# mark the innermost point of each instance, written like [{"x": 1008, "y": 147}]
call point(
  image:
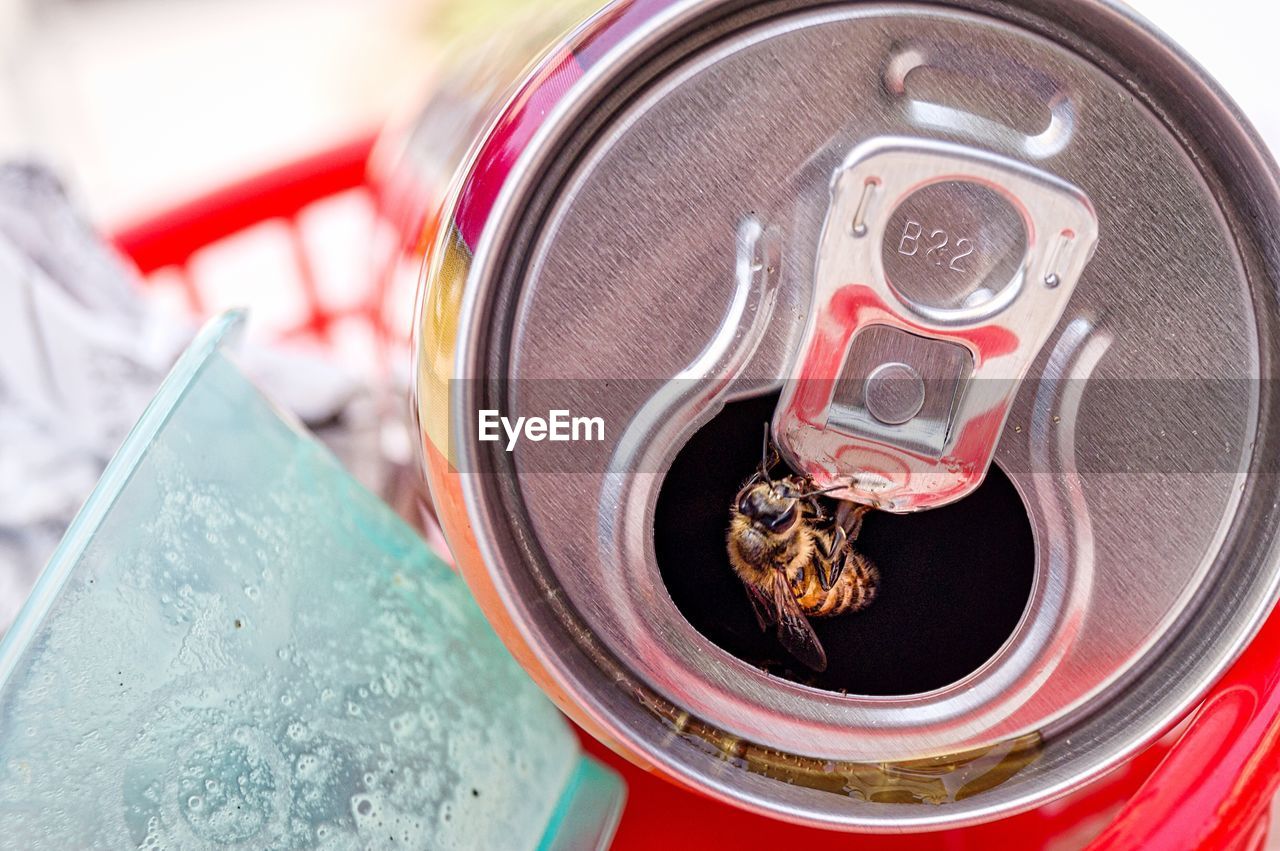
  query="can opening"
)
[{"x": 954, "y": 580}]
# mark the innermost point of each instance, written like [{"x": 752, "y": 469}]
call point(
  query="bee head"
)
[{"x": 769, "y": 506}]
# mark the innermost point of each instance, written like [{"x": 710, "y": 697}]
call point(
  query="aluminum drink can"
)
[{"x": 1004, "y": 269}]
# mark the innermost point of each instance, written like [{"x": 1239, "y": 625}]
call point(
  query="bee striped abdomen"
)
[{"x": 852, "y": 592}]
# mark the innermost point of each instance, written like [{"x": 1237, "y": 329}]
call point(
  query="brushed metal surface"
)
[
  {"x": 942, "y": 366},
  {"x": 1155, "y": 550},
  {"x": 894, "y": 392}
]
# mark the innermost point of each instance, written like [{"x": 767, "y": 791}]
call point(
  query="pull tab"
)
[{"x": 941, "y": 272}]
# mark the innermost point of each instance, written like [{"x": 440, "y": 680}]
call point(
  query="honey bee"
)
[{"x": 792, "y": 549}]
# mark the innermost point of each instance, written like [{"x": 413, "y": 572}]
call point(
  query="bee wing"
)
[
  {"x": 762, "y": 604},
  {"x": 794, "y": 630}
]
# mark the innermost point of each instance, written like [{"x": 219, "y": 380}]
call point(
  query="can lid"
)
[{"x": 658, "y": 252}]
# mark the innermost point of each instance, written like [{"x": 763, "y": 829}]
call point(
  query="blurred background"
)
[{"x": 139, "y": 103}]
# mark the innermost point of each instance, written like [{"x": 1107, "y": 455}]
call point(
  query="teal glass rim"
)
[{"x": 221, "y": 332}]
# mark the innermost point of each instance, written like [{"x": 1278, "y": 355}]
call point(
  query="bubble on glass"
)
[{"x": 178, "y": 730}]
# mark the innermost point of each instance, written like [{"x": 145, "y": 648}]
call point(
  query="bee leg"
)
[
  {"x": 834, "y": 558},
  {"x": 819, "y": 513},
  {"x": 850, "y": 517},
  {"x": 837, "y": 568}
]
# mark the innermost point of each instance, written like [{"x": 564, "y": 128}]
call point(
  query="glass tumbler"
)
[{"x": 237, "y": 646}]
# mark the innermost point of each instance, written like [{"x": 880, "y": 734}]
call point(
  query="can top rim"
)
[{"x": 1159, "y": 711}]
